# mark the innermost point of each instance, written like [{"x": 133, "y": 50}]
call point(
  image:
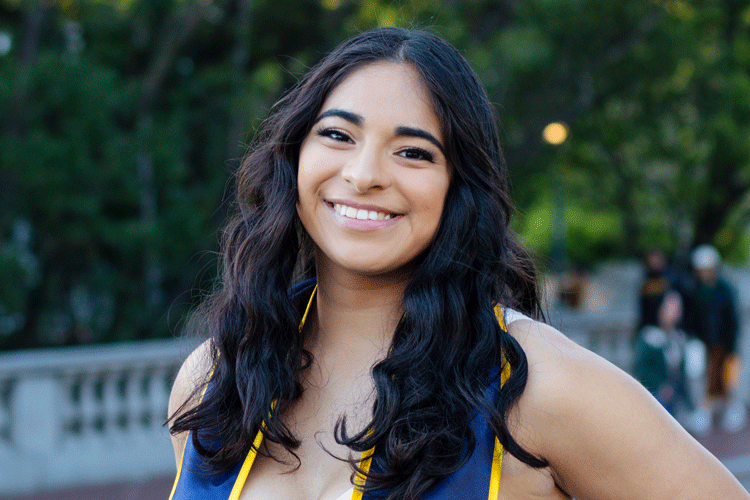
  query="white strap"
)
[{"x": 511, "y": 316}]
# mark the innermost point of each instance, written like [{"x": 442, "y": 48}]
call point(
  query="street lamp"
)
[{"x": 555, "y": 133}]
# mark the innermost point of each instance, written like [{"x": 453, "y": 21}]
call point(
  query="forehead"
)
[{"x": 386, "y": 91}]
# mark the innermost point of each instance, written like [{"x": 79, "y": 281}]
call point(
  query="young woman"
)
[{"x": 406, "y": 364}]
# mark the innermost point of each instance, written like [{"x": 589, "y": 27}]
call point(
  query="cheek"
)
[
  {"x": 438, "y": 196},
  {"x": 305, "y": 171},
  {"x": 314, "y": 168},
  {"x": 430, "y": 196},
  {"x": 305, "y": 190},
  {"x": 308, "y": 183}
]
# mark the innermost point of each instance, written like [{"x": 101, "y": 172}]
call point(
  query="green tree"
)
[
  {"x": 122, "y": 121},
  {"x": 656, "y": 98}
]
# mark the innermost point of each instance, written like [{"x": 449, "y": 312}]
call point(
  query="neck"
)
[{"x": 354, "y": 313}]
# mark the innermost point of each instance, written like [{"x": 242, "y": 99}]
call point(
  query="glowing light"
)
[{"x": 555, "y": 133}]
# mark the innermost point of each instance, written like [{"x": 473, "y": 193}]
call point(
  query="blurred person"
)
[
  {"x": 654, "y": 287},
  {"x": 660, "y": 278},
  {"x": 660, "y": 357},
  {"x": 714, "y": 322},
  {"x": 376, "y": 332}
]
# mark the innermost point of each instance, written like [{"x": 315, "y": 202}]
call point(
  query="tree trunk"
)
[
  {"x": 240, "y": 58},
  {"x": 34, "y": 21},
  {"x": 176, "y": 30}
]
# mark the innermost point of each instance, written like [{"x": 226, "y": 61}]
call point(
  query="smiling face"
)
[{"x": 372, "y": 174}]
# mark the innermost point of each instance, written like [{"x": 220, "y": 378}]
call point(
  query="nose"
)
[{"x": 366, "y": 171}]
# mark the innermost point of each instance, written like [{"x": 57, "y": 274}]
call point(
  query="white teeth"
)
[{"x": 353, "y": 213}]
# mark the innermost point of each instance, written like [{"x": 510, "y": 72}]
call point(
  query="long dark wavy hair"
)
[{"x": 448, "y": 340}]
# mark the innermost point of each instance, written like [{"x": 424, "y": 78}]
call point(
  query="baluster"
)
[
  {"x": 89, "y": 408},
  {"x": 158, "y": 396},
  {"x": 5, "y": 388},
  {"x": 70, "y": 416},
  {"x": 134, "y": 400},
  {"x": 35, "y": 420},
  {"x": 111, "y": 402}
]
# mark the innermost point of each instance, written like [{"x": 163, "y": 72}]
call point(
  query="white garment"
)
[
  {"x": 511, "y": 316},
  {"x": 347, "y": 494}
]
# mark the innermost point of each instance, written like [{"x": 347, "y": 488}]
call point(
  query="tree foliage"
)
[{"x": 123, "y": 119}]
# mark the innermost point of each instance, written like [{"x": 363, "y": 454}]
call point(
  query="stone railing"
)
[
  {"x": 608, "y": 334},
  {"x": 86, "y": 415}
]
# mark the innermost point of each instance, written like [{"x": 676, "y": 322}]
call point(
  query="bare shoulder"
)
[
  {"x": 564, "y": 378},
  {"x": 602, "y": 433},
  {"x": 184, "y": 394}
]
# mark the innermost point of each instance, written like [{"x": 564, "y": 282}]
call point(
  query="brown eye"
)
[
  {"x": 334, "y": 134},
  {"x": 416, "y": 154}
]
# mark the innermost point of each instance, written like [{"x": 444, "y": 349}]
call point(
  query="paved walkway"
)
[
  {"x": 732, "y": 449},
  {"x": 155, "y": 489}
]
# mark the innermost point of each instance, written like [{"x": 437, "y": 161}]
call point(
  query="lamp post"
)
[{"x": 556, "y": 133}]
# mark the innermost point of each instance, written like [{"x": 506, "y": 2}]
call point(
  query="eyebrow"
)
[
  {"x": 354, "y": 118},
  {"x": 401, "y": 131},
  {"x": 418, "y": 132}
]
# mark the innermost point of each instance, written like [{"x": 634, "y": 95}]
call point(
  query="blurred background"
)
[{"x": 626, "y": 127}]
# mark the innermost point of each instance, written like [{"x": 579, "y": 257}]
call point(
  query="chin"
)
[{"x": 356, "y": 266}]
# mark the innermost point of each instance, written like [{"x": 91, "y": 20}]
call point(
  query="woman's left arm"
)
[{"x": 603, "y": 434}]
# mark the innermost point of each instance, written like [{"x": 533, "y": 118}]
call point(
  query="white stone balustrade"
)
[
  {"x": 607, "y": 333},
  {"x": 86, "y": 415}
]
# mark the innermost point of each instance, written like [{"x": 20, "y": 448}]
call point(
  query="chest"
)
[
  {"x": 329, "y": 480},
  {"x": 321, "y": 473},
  {"x": 321, "y": 468}
]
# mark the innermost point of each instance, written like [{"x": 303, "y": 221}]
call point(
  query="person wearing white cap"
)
[{"x": 714, "y": 321}]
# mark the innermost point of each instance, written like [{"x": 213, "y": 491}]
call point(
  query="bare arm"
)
[
  {"x": 192, "y": 373},
  {"x": 603, "y": 434}
]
